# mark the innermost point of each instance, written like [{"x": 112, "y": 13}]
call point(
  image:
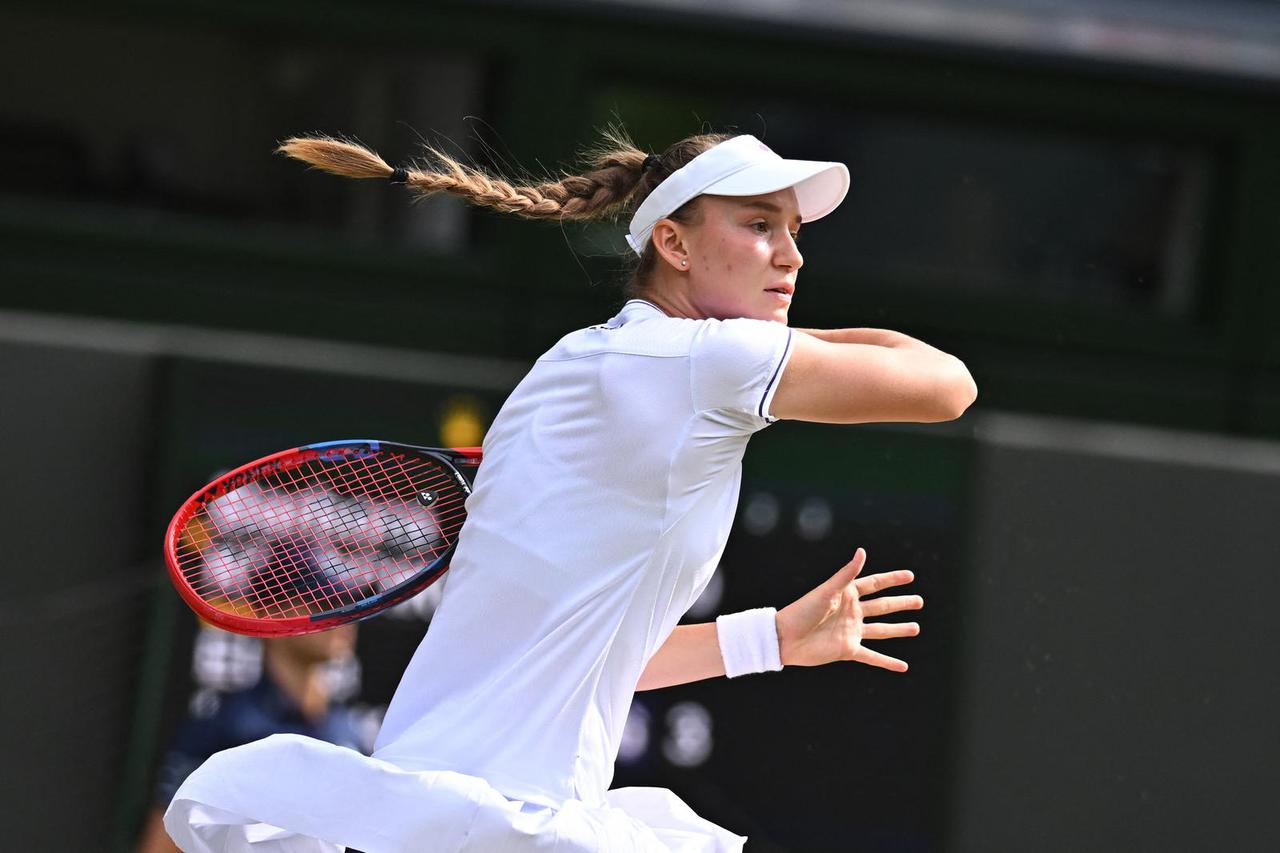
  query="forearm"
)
[{"x": 691, "y": 653}]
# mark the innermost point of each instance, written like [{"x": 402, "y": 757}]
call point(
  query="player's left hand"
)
[{"x": 826, "y": 624}]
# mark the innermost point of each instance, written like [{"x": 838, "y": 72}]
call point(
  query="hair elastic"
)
[
  {"x": 399, "y": 176},
  {"x": 649, "y": 162}
]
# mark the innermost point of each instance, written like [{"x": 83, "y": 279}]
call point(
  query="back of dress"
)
[{"x": 606, "y": 496}]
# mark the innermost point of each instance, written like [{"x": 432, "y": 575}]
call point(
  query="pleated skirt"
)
[{"x": 294, "y": 794}]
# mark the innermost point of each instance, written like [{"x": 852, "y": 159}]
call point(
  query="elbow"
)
[{"x": 961, "y": 393}]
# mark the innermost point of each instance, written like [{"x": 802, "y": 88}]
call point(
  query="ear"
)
[{"x": 668, "y": 242}]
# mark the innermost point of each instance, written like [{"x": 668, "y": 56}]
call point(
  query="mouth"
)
[{"x": 783, "y": 291}]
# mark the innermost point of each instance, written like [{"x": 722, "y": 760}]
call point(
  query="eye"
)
[{"x": 795, "y": 235}]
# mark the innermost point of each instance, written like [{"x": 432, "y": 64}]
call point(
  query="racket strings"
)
[
  {"x": 299, "y": 557},
  {"x": 321, "y": 535}
]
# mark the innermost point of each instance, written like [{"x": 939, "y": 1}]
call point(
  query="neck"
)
[
  {"x": 673, "y": 299},
  {"x": 303, "y": 682}
]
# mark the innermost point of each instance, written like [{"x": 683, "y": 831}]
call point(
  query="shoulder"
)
[
  {"x": 736, "y": 363},
  {"x": 640, "y": 328},
  {"x": 654, "y": 336},
  {"x": 740, "y": 349},
  {"x": 739, "y": 335}
]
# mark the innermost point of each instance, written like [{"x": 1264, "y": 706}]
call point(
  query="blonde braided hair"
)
[{"x": 613, "y": 182}]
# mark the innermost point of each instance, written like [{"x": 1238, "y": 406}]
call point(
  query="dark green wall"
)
[{"x": 550, "y": 77}]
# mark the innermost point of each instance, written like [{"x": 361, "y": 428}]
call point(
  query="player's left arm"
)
[
  {"x": 691, "y": 653},
  {"x": 824, "y": 625}
]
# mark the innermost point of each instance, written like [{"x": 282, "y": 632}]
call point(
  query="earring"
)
[{"x": 684, "y": 263}]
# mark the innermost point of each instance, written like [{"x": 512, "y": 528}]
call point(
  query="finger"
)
[
  {"x": 874, "y": 583},
  {"x": 866, "y": 655},
  {"x": 848, "y": 571},
  {"x": 889, "y": 630},
  {"x": 891, "y": 604}
]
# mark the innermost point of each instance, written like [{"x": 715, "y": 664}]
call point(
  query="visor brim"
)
[{"x": 820, "y": 186}]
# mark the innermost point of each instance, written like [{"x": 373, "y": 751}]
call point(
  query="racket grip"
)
[{"x": 749, "y": 641}]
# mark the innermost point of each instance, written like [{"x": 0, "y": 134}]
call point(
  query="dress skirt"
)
[{"x": 294, "y": 794}]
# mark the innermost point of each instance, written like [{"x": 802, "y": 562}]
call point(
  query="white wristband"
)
[{"x": 749, "y": 641}]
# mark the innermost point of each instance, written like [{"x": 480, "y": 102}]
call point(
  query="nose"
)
[{"x": 788, "y": 254}]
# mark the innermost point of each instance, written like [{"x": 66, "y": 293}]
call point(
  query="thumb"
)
[{"x": 848, "y": 571}]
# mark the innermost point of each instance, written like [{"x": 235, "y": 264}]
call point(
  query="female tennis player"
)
[{"x": 607, "y": 493}]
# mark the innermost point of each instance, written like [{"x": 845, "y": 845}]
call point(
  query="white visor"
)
[{"x": 741, "y": 166}]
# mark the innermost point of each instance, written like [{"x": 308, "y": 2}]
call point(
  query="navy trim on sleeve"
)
[{"x": 776, "y": 371}]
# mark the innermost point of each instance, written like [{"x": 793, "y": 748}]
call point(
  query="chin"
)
[{"x": 772, "y": 312}]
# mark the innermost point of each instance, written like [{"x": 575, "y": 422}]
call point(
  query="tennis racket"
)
[{"x": 311, "y": 538}]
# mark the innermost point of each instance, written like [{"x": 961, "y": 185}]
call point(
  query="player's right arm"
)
[{"x": 850, "y": 376}]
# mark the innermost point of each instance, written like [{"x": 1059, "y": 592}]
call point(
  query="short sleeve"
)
[{"x": 736, "y": 365}]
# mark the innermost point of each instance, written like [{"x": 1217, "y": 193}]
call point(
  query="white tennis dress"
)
[{"x": 607, "y": 492}]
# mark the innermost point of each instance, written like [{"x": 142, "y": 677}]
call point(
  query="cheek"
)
[
  {"x": 730, "y": 276},
  {"x": 720, "y": 258},
  {"x": 735, "y": 252}
]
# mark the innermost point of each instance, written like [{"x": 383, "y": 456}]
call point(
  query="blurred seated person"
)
[{"x": 292, "y": 697}]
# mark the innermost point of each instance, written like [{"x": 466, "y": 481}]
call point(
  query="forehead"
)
[{"x": 782, "y": 202}]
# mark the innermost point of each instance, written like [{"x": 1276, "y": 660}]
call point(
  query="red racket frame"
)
[{"x": 454, "y": 458}]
